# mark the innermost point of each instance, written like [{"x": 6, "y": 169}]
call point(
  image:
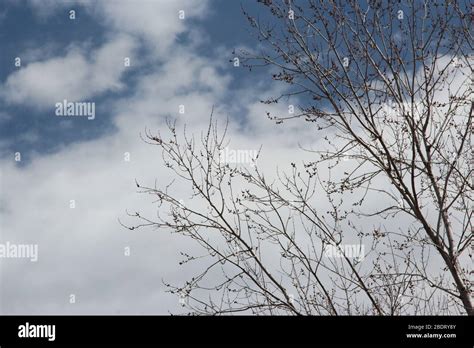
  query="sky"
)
[{"x": 66, "y": 181}]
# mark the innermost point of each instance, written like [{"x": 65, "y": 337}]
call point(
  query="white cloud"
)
[
  {"x": 157, "y": 22},
  {"x": 75, "y": 76},
  {"x": 82, "y": 73}
]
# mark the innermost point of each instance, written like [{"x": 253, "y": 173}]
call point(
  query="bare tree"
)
[{"x": 389, "y": 86}]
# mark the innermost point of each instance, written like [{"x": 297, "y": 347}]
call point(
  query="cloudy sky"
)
[{"x": 66, "y": 181}]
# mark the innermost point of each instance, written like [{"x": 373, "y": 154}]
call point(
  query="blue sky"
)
[{"x": 36, "y": 33}]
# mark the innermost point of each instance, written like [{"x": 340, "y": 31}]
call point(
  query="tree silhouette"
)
[{"x": 388, "y": 85}]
